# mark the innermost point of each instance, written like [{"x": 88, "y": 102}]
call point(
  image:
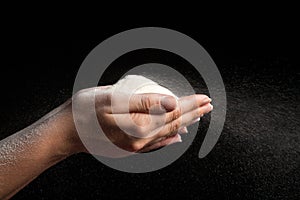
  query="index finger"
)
[{"x": 143, "y": 103}]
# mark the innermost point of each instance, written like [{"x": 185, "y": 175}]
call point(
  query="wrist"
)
[{"x": 64, "y": 138}]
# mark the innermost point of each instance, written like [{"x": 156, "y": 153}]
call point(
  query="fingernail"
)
[
  {"x": 196, "y": 120},
  {"x": 169, "y": 103},
  {"x": 212, "y": 107},
  {"x": 184, "y": 130},
  {"x": 175, "y": 140},
  {"x": 179, "y": 138},
  {"x": 180, "y": 131},
  {"x": 206, "y": 100}
]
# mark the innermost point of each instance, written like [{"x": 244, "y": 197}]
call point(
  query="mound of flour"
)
[{"x": 141, "y": 85}]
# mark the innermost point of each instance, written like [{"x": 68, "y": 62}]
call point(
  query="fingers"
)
[
  {"x": 143, "y": 103},
  {"x": 162, "y": 142},
  {"x": 186, "y": 104},
  {"x": 143, "y": 125},
  {"x": 171, "y": 129},
  {"x": 184, "y": 120},
  {"x": 169, "y": 134},
  {"x": 194, "y": 116},
  {"x": 156, "y": 103},
  {"x": 192, "y": 102}
]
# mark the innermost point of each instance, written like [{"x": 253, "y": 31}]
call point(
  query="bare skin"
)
[{"x": 27, "y": 153}]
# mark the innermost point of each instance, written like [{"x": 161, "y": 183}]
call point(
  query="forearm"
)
[{"x": 26, "y": 154}]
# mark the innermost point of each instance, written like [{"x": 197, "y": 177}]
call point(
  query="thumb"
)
[{"x": 157, "y": 103}]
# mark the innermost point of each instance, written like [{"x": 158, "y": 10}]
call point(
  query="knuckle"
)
[
  {"x": 174, "y": 126},
  {"x": 146, "y": 102},
  {"x": 176, "y": 114},
  {"x": 172, "y": 133}
]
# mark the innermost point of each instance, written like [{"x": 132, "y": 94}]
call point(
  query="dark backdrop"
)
[{"x": 256, "y": 157}]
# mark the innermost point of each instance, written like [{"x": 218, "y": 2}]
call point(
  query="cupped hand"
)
[{"x": 146, "y": 122}]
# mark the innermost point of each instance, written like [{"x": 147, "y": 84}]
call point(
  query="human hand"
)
[{"x": 134, "y": 122}]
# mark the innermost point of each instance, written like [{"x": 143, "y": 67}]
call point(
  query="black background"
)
[{"x": 257, "y": 155}]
